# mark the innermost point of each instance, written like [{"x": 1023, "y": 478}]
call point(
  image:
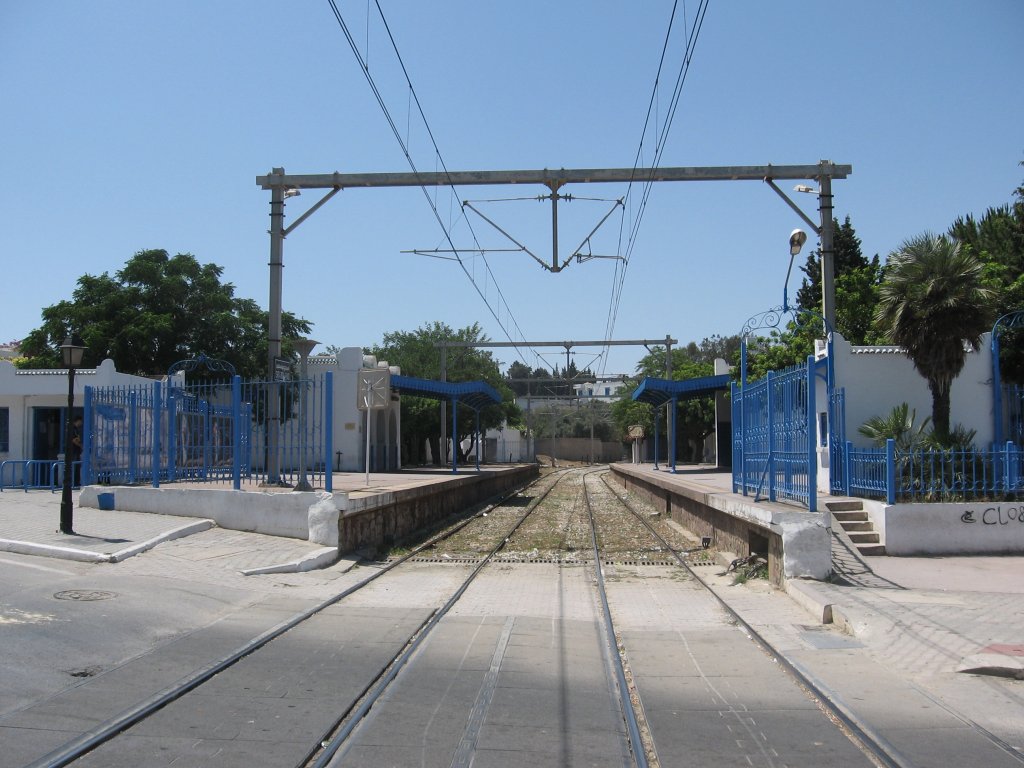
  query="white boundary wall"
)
[{"x": 878, "y": 378}]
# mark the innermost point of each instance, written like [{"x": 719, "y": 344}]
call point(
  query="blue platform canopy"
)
[
  {"x": 660, "y": 391},
  {"x": 475, "y": 394},
  {"x": 657, "y": 392}
]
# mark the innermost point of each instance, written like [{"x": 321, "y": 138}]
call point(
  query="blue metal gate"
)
[
  {"x": 774, "y": 449},
  {"x": 837, "y": 441}
]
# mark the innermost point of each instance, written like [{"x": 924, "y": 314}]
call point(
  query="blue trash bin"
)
[{"x": 106, "y": 501}]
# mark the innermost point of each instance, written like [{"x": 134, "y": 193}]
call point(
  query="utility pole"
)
[{"x": 591, "y": 427}]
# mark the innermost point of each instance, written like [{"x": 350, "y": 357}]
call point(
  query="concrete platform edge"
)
[
  {"x": 803, "y": 593},
  {"x": 322, "y": 558}
]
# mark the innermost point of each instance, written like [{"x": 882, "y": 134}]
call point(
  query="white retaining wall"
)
[{"x": 987, "y": 527}]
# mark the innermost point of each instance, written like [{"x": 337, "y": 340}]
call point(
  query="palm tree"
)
[
  {"x": 899, "y": 425},
  {"x": 932, "y": 303}
]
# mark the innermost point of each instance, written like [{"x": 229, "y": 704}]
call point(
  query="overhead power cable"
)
[
  {"x": 412, "y": 165},
  {"x": 662, "y": 137}
]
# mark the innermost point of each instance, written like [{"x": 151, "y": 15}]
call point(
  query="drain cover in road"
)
[{"x": 84, "y": 595}]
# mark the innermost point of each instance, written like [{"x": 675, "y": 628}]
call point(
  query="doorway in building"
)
[
  {"x": 47, "y": 444},
  {"x": 47, "y": 433}
]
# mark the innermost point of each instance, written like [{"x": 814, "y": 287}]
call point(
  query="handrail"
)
[{"x": 53, "y": 468}]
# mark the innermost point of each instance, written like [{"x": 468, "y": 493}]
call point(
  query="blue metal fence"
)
[
  {"x": 774, "y": 449},
  {"x": 934, "y": 475},
  {"x": 274, "y": 432}
]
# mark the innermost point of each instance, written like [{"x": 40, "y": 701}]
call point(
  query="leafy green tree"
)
[
  {"x": 780, "y": 350},
  {"x": 417, "y": 354},
  {"x": 155, "y": 311},
  {"x": 997, "y": 240},
  {"x": 857, "y": 281},
  {"x": 856, "y": 284},
  {"x": 931, "y": 302},
  {"x": 517, "y": 376}
]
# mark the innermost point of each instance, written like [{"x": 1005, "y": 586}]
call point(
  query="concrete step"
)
[
  {"x": 851, "y": 517},
  {"x": 865, "y": 538},
  {"x": 844, "y": 506},
  {"x": 871, "y": 549},
  {"x": 860, "y": 525}
]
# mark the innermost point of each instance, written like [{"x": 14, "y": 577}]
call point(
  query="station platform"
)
[
  {"x": 699, "y": 497},
  {"x": 360, "y": 514}
]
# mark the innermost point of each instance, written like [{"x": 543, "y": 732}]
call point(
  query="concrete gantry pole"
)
[
  {"x": 828, "y": 284},
  {"x": 277, "y": 194}
]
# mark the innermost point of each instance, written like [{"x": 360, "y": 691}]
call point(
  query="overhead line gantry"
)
[{"x": 282, "y": 185}]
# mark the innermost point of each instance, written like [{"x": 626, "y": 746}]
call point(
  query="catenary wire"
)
[
  {"x": 409, "y": 159},
  {"x": 619, "y": 276}
]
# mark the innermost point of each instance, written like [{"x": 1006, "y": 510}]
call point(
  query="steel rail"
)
[
  {"x": 345, "y": 725},
  {"x": 625, "y": 702},
  {"x": 107, "y": 730},
  {"x": 862, "y": 733}
]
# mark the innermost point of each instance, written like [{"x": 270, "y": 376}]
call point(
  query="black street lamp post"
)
[{"x": 71, "y": 352}]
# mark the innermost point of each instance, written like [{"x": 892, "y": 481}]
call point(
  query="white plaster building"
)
[
  {"x": 350, "y": 422},
  {"x": 32, "y": 407},
  {"x": 504, "y": 444}
]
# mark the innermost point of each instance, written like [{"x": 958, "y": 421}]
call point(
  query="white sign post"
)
[{"x": 374, "y": 394}]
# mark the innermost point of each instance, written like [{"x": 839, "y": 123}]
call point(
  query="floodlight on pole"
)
[{"x": 828, "y": 287}]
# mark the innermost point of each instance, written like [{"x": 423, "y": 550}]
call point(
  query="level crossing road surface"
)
[
  {"x": 524, "y": 657},
  {"x": 515, "y": 674}
]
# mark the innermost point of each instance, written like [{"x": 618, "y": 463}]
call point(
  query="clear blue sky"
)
[{"x": 129, "y": 126}]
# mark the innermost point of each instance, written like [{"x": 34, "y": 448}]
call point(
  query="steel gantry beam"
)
[
  {"x": 553, "y": 179},
  {"x": 283, "y": 185}
]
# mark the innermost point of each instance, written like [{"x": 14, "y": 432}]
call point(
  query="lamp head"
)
[
  {"x": 71, "y": 351},
  {"x": 797, "y": 238}
]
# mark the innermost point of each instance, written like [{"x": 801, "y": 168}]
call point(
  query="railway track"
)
[{"x": 88, "y": 748}]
